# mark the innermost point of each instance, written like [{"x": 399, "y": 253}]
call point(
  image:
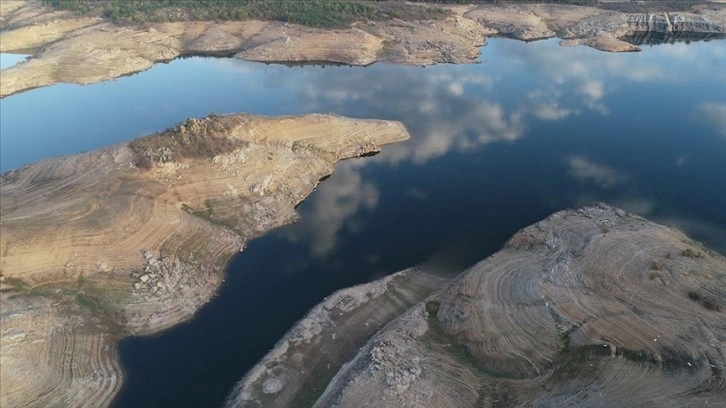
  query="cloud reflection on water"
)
[
  {"x": 443, "y": 110},
  {"x": 586, "y": 170},
  {"x": 465, "y": 108},
  {"x": 335, "y": 206},
  {"x": 715, "y": 114},
  {"x": 519, "y": 90}
]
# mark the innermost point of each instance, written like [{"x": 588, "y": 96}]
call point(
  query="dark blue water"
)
[{"x": 495, "y": 146}]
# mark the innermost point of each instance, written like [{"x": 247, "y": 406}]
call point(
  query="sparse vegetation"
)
[
  {"x": 692, "y": 253},
  {"x": 666, "y": 357},
  {"x": 143, "y": 162},
  {"x": 565, "y": 337},
  {"x": 644, "y": 6},
  {"x": 577, "y": 2},
  {"x": 432, "y": 308},
  {"x": 628, "y": 6},
  {"x": 314, "y": 13},
  {"x": 457, "y": 349},
  {"x": 638, "y": 356},
  {"x": 205, "y": 214},
  {"x": 579, "y": 362},
  {"x": 91, "y": 303},
  {"x": 705, "y": 300},
  {"x": 16, "y": 284}
]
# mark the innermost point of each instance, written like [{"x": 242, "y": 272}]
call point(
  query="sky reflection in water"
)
[
  {"x": 8, "y": 60},
  {"x": 664, "y": 105},
  {"x": 615, "y": 126},
  {"x": 495, "y": 147}
]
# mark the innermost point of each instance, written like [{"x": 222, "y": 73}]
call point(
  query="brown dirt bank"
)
[
  {"x": 589, "y": 308},
  {"x": 75, "y": 49},
  {"x": 134, "y": 238}
]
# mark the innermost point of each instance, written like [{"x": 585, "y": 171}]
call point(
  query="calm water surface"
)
[
  {"x": 8, "y": 60},
  {"x": 495, "y": 146}
]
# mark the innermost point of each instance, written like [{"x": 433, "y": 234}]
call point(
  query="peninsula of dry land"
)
[
  {"x": 134, "y": 238},
  {"x": 83, "y": 41},
  {"x": 593, "y": 307}
]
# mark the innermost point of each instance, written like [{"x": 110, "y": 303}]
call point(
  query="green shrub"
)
[
  {"x": 705, "y": 300},
  {"x": 692, "y": 253}
]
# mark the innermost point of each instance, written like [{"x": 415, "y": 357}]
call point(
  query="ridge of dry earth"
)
[
  {"x": 73, "y": 49},
  {"x": 297, "y": 370},
  {"x": 134, "y": 238},
  {"x": 589, "y": 308}
]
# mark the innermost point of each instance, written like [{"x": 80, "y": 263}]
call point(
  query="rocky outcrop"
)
[
  {"x": 83, "y": 50},
  {"x": 598, "y": 28},
  {"x": 589, "y": 308},
  {"x": 674, "y": 27},
  {"x": 706, "y": 22},
  {"x": 69, "y": 48},
  {"x": 655, "y": 38},
  {"x": 134, "y": 238},
  {"x": 295, "y": 372},
  {"x": 55, "y": 351}
]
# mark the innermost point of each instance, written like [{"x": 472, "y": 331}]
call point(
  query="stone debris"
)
[{"x": 272, "y": 386}]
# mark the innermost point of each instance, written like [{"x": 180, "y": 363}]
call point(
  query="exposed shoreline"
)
[
  {"x": 72, "y": 49},
  {"x": 114, "y": 242},
  {"x": 574, "y": 310},
  {"x": 328, "y": 337},
  {"x": 134, "y": 238}
]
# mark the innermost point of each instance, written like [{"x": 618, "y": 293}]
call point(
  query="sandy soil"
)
[{"x": 83, "y": 50}]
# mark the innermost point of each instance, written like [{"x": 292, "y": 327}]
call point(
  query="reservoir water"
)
[
  {"x": 495, "y": 146},
  {"x": 8, "y": 60}
]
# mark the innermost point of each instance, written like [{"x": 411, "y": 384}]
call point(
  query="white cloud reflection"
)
[
  {"x": 593, "y": 92},
  {"x": 715, "y": 114},
  {"x": 444, "y": 108},
  {"x": 465, "y": 108},
  {"x": 335, "y": 205},
  {"x": 589, "y": 171},
  {"x": 547, "y": 106}
]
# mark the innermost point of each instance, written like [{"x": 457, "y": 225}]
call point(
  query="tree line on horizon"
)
[{"x": 314, "y": 13}]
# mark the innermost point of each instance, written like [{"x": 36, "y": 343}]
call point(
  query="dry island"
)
[{"x": 88, "y": 41}]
